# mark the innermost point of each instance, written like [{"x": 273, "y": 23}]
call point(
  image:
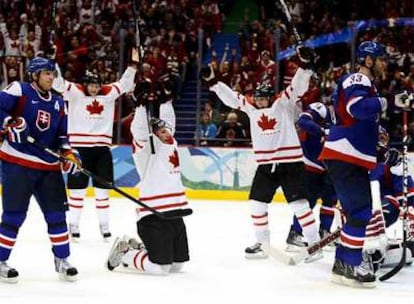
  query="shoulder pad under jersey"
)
[{"x": 320, "y": 108}]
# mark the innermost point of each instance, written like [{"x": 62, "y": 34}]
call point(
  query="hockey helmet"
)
[
  {"x": 157, "y": 124},
  {"x": 39, "y": 64},
  {"x": 263, "y": 90},
  {"x": 91, "y": 77},
  {"x": 370, "y": 48}
]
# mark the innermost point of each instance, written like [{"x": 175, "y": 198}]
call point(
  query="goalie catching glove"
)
[
  {"x": 17, "y": 130},
  {"x": 72, "y": 161}
]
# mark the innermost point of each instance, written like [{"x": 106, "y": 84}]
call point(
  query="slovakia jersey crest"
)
[{"x": 43, "y": 120}]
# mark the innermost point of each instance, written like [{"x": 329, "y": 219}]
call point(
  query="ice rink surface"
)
[{"x": 217, "y": 273}]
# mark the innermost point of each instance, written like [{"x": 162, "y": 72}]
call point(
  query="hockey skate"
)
[
  {"x": 104, "y": 228},
  {"x": 118, "y": 250},
  {"x": 361, "y": 276},
  {"x": 74, "y": 232},
  {"x": 66, "y": 271},
  {"x": 295, "y": 241},
  {"x": 255, "y": 251},
  {"x": 8, "y": 274}
]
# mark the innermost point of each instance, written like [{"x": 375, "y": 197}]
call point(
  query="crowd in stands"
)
[
  {"x": 90, "y": 34},
  {"x": 313, "y": 18},
  {"x": 98, "y": 36}
]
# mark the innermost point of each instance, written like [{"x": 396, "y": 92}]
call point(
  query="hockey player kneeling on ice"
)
[
  {"x": 166, "y": 246},
  {"x": 31, "y": 109}
]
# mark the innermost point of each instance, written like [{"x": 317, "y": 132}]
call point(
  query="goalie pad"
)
[
  {"x": 376, "y": 238},
  {"x": 393, "y": 253}
]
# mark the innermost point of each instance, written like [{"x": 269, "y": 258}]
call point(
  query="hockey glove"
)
[
  {"x": 17, "y": 130},
  {"x": 306, "y": 56},
  {"x": 50, "y": 52},
  {"x": 72, "y": 162},
  {"x": 208, "y": 76},
  {"x": 404, "y": 100},
  {"x": 137, "y": 54},
  {"x": 393, "y": 157}
]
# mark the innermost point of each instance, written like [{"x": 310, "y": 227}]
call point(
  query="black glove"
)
[
  {"x": 393, "y": 157},
  {"x": 208, "y": 76},
  {"x": 307, "y": 57},
  {"x": 50, "y": 52}
]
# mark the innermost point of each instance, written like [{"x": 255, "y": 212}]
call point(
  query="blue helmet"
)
[
  {"x": 38, "y": 64},
  {"x": 369, "y": 48}
]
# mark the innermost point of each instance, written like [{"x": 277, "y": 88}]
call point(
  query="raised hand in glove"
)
[
  {"x": 137, "y": 54},
  {"x": 50, "y": 52},
  {"x": 208, "y": 76},
  {"x": 307, "y": 57},
  {"x": 393, "y": 157},
  {"x": 17, "y": 130},
  {"x": 72, "y": 162}
]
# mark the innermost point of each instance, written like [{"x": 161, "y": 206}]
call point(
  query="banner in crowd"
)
[
  {"x": 345, "y": 35},
  {"x": 201, "y": 167}
]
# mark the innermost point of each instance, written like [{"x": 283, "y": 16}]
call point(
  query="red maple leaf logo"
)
[
  {"x": 174, "y": 159},
  {"x": 95, "y": 107},
  {"x": 265, "y": 123}
]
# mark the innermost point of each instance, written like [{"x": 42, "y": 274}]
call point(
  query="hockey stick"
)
[
  {"x": 52, "y": 22},
  {"x": 150, "y": 106},
  {"x": 401, "y": 264},
  {"x": 291, "y": 23},
  {"x": 167, "y": 215},
  {"x": 296, "y": 259}
]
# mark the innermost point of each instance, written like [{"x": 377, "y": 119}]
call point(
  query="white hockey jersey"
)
[
  {"x": 160, "y": 186},
  {"x": 91, "y": 118},
  {"x": 273, "y": 131}
]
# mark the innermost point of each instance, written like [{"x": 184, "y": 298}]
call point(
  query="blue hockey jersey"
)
[
  {"x": 46, "y": 120},
  {"x": 353, "y": 136},
  {"x": 314, "y": 124}
]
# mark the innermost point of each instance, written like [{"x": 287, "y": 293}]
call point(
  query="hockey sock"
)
[
  {"x": 306, "y": 219},
  {"x": 76, "y": 200},
  {"x": 260, "y": 220},
  {"x": 58, "y": 233},
  {"x": 138, "y": 260},
  {"x": 102, "y": 205},
  {"x": 326, "y": 216},
  {"x": 9, "y": 228}
]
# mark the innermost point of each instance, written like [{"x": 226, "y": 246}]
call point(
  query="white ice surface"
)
[{"x": 218, "y": 232}]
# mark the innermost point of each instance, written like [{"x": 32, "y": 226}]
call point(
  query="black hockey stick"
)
[
  {"x": 167, "y": 215},
  {"x": 52, "y": 23},
  {"x": 291, "y": 23},
  {"x": 402, "y": 262},
  {"x": 150, "y": 106}
]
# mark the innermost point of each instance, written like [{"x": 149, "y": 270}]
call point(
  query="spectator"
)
[
  {"x": 232, "y": 131},
  {"x": 208, "y": 130},
  {"x": 214, "y": 114}
]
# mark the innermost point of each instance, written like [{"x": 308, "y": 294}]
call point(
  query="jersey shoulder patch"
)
[
  {"x": 14, "y": 89},
  {"x": 79, "y": 87},
  {"x": 319, "y": 108},
  {"x": 356, "y": 79},
  {"x": 105, "y": 90}
]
